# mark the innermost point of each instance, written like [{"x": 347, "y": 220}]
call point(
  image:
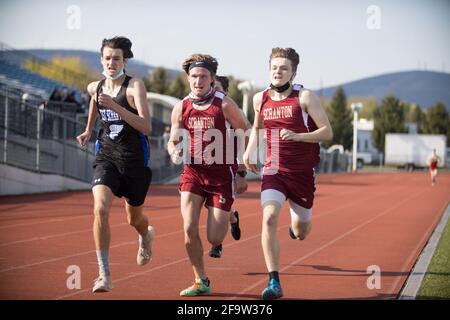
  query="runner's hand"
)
[
  {"x": 83, "y": 138},
  {"x": 241, "y": 184},
  {"x": 250, "y": 166}
]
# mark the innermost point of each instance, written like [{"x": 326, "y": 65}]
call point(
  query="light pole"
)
[
  {"x": 246, "y": 87},
  {"x": 356, "y": 107}
]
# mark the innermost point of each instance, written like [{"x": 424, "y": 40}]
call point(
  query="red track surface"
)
[{"x": 358, "y": 221}]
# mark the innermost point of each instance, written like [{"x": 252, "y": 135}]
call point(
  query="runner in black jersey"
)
[{"x": 121, "y": 153}]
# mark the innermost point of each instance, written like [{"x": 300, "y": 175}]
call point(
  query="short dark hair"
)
[
  {"x": 119, "y": 43},
  {"x": 224, "y": 82}
]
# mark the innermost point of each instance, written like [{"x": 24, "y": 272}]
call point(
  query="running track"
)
[{"x": 359, "y": 220}]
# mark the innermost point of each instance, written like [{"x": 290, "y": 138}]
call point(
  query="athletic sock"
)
[
  {"x": 274, "y": 275},
  {"x": 103, "y": 262}
]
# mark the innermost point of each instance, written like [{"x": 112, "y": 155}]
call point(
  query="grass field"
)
[
  {"x": 386, "y": 168},
  {"x": 436, "y": 283}
]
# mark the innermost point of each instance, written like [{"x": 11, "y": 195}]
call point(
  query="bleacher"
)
[
  {"x": 26, "y": 81},
  {"x": 38, "y": 127},
  {"x": 17, "y": 80}
]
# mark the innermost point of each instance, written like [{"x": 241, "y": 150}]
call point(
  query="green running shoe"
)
[{"x": 200, "y": 287}]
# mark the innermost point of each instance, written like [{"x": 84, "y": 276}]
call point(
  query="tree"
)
[
  {"x": 179, "y": 87},
  {"x": 340, "y": 117},
  {"x": 388, "y": 118},
  {"x": 146, "y": 81},
  {"x": 417, "y": 116},
  {"x": 158, "y": 81},
  {"x": 437, "y": 121},
  {"x": 369, "y": 103},
  {"x": 68, "y": 70},
  {"x": 234, "y": 92}
]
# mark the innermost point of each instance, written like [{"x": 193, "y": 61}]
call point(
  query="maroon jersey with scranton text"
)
[
  {"x": 292, "y": 156},
  {"x": 205, "y": 127}
]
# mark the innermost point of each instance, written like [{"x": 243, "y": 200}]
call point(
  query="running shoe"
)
[
  {"x": 273, "y": 291},
  {"x": 102, "y": 284},
  {"x": 200, "y": 287},
  {"x": 291, "y": 233},
  {"x": 216, "y": 252},
  {"x": 144, "y": 254},
  {"x": 235, "y": 230}
]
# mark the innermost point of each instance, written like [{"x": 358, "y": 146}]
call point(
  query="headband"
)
[{"x": 201, "y": 64}]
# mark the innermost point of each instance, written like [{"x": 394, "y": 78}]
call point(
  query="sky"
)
[{"x": 338, "y": 41}]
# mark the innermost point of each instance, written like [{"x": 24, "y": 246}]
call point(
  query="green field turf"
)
[{"x": 436, "y": 283}]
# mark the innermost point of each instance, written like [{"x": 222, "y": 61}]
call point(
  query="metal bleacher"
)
[
  {"x": 37, "y": 131},
  {"x": 26, "y": 81}
]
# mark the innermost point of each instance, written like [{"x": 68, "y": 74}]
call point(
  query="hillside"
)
[
  {"x": 92, "y": 59},
  {"x": 424, "y": 88}
]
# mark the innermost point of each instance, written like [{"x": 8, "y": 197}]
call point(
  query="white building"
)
[
  {"x": 365, "y": 129},
  {"x": 161, "y": 106}
]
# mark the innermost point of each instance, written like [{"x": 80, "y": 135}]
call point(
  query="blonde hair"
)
[{"x": 287, "y": 53}]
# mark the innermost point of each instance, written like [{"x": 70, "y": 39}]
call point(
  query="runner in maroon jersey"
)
[
  {"x": 295, "y": 122},
  {"x": 208, "y": 178},
  {"x": 433, "y": 161},
  {"x": 221, "y": 84}
]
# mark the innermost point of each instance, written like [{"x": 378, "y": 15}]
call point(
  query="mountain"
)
[
  {"x": 424, "y": 88},
  {"x": 92, "y": 59}
]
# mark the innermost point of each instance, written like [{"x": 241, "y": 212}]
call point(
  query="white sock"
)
[{"x": 103, "y": 262}]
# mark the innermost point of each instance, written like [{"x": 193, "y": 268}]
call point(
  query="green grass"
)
[
  {"x": 369, "y": 167},
  {"x": 436, "y": 283},
  {"x": 374, "y": 167}
]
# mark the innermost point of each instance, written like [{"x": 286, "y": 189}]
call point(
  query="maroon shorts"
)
[
  {"x": 296, "y": 186},
  {"x": 217, "y": 187}
]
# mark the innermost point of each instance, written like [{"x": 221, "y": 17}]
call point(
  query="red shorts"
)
[
  {"x": 217, "y": 187},
  {"x": 297, "y": 186}
]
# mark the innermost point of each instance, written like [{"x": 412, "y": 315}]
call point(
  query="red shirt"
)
[
  {"x": 433, "y": 164},
  {"x": 292, "y": 156},
  {"x": 201, "y": 125}
]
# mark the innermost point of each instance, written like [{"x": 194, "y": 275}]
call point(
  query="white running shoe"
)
[
  {"x": 102, "y": 284},
  {"x": 145, "y": 248}
]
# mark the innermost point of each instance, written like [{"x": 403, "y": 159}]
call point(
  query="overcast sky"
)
[{"x": 338, "y": 41}]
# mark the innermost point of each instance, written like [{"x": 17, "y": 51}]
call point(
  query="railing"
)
[
  {"x": 41, "y": 136},
  {"x": 34, "y": 137}
]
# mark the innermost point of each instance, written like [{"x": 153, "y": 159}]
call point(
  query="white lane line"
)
[
  {"x": 186, "y": 259},
  {"x": 260, "y": 282},
  {"x": 169, "y": 234},
  {"x": 416, "y": 276}
]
